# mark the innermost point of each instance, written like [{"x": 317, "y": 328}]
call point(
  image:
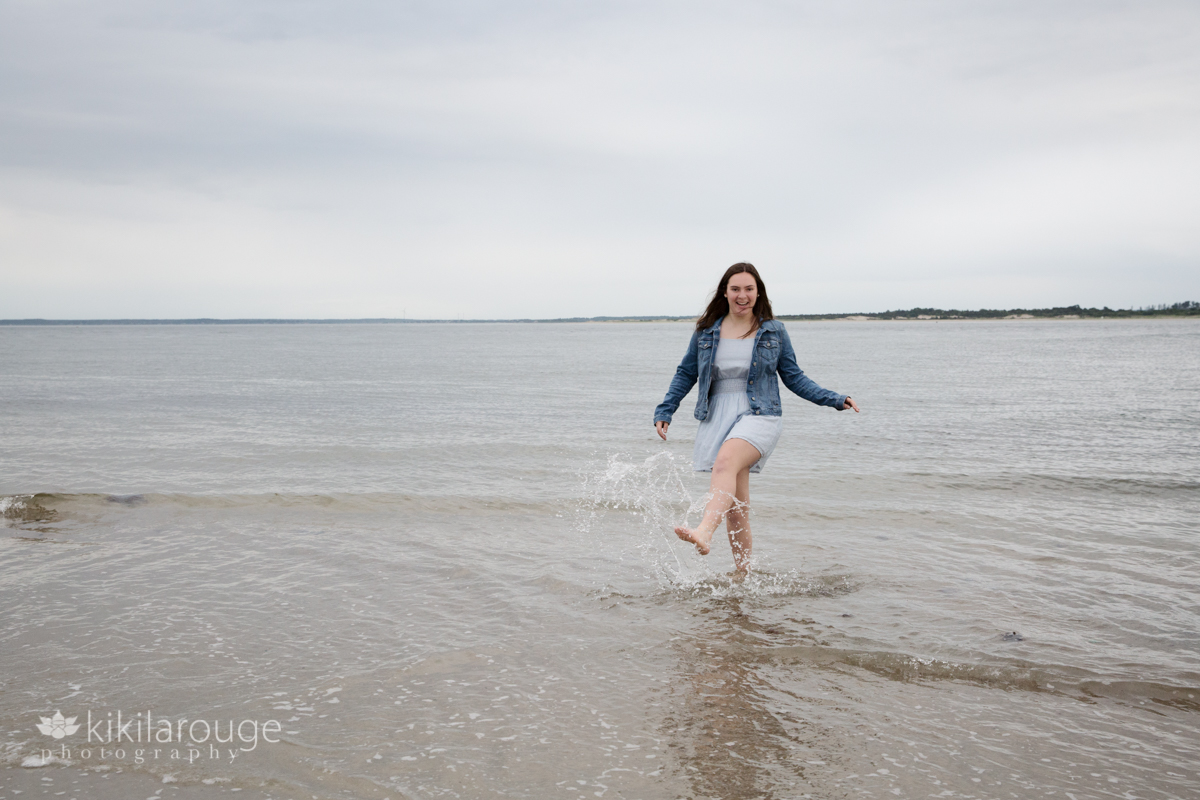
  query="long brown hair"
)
[{"x": 718, "y": 306}]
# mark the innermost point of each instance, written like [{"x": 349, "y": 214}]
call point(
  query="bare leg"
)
[
  {"x": 735, "y": 456},
  {"x": 737, "y": 522}
]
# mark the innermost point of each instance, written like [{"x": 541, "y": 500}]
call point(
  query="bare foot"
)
[{"x": 689, "y": 535}]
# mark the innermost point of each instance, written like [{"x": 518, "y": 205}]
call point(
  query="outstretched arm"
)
[
  {"x": 794, "y": 378},
  {"x": 685, "y": 378}
]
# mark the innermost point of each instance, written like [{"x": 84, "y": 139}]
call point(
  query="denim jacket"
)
[{"x": 773, "y": 354}]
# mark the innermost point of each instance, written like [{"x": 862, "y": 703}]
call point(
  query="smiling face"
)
[{"x": 742, "y": 294}]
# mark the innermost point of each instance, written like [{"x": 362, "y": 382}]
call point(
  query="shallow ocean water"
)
[{"x": 439, "y": 556}]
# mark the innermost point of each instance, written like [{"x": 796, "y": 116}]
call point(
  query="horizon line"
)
[{"x": 1188, "y": 308}]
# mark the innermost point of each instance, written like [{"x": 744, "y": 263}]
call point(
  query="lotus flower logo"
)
[{"x": 58, "y": 726}]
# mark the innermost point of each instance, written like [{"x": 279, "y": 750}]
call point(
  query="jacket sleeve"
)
[
  {"x": 681, "y": 384},
  {"x": 794, "y": 378}
]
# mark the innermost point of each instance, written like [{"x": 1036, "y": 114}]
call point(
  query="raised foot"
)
[{"x": 689, "y": 535}]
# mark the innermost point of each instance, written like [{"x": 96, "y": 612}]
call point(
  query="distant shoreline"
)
[{"x": 1186, "y": 309}]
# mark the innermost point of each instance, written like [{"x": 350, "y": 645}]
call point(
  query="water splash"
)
[
  {"x": 653, "y": 492},
  {"x": 650, "y": 497},
  {"x": 760, "y": 583}
]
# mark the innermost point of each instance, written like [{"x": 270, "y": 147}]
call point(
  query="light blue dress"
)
[{"x": 729, "y": 415}]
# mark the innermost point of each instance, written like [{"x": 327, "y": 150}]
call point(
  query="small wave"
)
[
  {"x": 1008, "y": 677},
  {"x": 49, "y": 506},
  {"x": 1057, "y": 484},
  {"x": 127, "y": 499},
  {"x": 26, "y": 508}
]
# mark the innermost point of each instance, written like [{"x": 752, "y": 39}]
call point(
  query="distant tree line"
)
[{"x": 1188, "y": 308}]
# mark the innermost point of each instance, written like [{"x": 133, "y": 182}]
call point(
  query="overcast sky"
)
[{"x": 236, "y": 158}]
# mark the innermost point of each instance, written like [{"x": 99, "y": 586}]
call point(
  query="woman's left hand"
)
[{"x": 850, "y": 404}]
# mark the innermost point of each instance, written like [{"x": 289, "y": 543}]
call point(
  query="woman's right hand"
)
[{"x": 661, "y": 427}]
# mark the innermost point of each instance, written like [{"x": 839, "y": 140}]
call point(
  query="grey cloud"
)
[{"x": 932, "y": 150}]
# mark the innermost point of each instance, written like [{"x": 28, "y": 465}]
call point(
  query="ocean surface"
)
[{"x": 435, "y": 560}]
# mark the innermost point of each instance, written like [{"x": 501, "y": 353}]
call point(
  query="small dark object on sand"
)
[
  {"x": 1013, "y": 637},
  {"x": 847, "y": 615}
]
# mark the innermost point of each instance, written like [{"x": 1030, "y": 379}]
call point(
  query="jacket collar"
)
[{"x": 766, "y": 324}]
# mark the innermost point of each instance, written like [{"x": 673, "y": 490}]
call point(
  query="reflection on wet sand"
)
[
  {"x": 728, "y": 742},
  {"x": 770, "y": 710}
]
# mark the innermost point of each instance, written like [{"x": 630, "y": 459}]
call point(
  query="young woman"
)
[{"x": 738, "y": 404}]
